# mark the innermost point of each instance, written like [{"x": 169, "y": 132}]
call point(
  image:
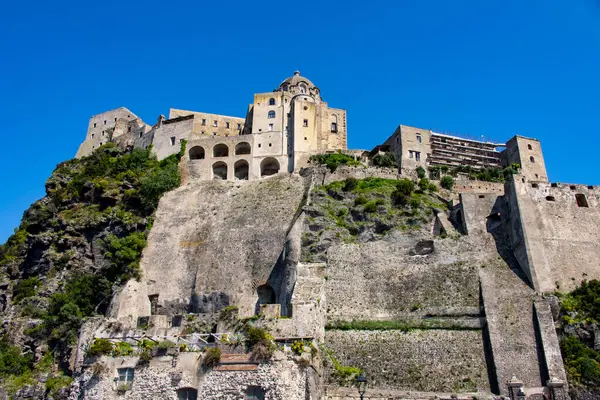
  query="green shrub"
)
[
  {"x": 421, "y": 172},
  {"x": 122, "y": 349},
  {"x": 145, "y": 357},
  {"x": 359, "y": 200},
  {"x": 263, "y": 350},
  {"x": 415, "y": 203},
  {"x": 379, "y": 202},
  {"x": 370, "y": 207},
  {"x": 211, "y": 357},
  {"x": 55, "y": 383},
  {"x": 447, "y": 182},
  {"x": 124, "y": 254},
  {"x": 165, "y": 344},
  {"x": 12, "y": 361},
  {"x": 424, "y": 184},
  {"x": 405, "y": 186},
  {"x": 387, "y": 160},
  {"x": 350, "y": 184},
  {"x": 298, "y": 347},
  {"x": 25, "y": 288},
  {"x": 432, "y": 187},
  {"x": 333, "y": 160},
  {"x": 100, "y": 347},
  {"x": 255, "y": 334}
]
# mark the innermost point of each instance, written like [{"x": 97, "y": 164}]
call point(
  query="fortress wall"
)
[
  {"x": 421, "y": 360},
  {"x": 213, "y": 243},
  {"x": 163, "y": 147},
  {"x": 468, "y": 186},
  {"x": 476, "y": 208},
  {"x": 557, "y": 241},
  {"x": 282, "y": 379},
  {"x": 381, "y": 280}
]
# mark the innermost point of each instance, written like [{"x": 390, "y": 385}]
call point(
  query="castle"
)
[
  {"x": 280, "y": 131},
  {"x": 474, "y": 283}
]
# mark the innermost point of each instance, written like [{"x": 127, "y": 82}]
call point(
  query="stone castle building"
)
[
  {"x": 495, "y": 254},
  {"x": 416, "y": 147},
  {"x": 280, "y": 131}
]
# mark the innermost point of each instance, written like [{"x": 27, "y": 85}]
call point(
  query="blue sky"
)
[{"x": 463, "y": 67}]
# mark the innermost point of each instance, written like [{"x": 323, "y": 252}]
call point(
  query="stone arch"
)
[
  {"x": 197, "y": 153},
  {"x": 219, "y": 170},
  {"x": 271, "y": 114},
  {"x": 240, "y": 169},
  {"x": 269, "y": 166},
  {"x": 334, "y": 123},
  {"x": 242, "y": 148},
  {"x": 271, "y": 101},
  {"x": 266, "y": 294},
  {"x": 220, "y": 150}
]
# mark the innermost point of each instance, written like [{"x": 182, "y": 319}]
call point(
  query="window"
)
[
  {"x": 271, "y": 101},
  {"x": 410, "y": 154},
  {"x": 529, "y": 147},
  {"x": 581, "y": 200},
  {"x": 239, "y": 126},
  {"x": 187, "y": 394},
  {"x": 196, "y": 153},
  {"x": 305, "y": 123},
  {"x": 302, "y": 88},
  {"x": 418, "y": 155},
  {"x": 102, "y": 133},
  {"x": 532, "y": 159},
  {"x": 92, "y": 135},
  {"x": 215, "y": 123},
  {"x": 550, "y": 198},
  {"x": 203, "y": 122},
  {"x": 255, "y": 393},
  {"x": 115, "y": 119},
  {"x": 172, "y": 140},
  {"x": 419, "y": 139},
  {"x": 271, "y": 114},
  {"x": 535, "y": 185},
  {"x": 104, "y": 122},
  {"x": 259, "y": 145},
  {"x": 128, "y": 129},
  {"x": 227, "y": 125},
  {"x": 269, "y": 144},
  {"x": 214, "y": 133},
  {"x": 141, "y": 133},
  {"x": 572, "y": 187},
  {"x": 270, "y": 127},
  {"x": 125, "y": 377},
  {"x": 94, "y": 124},
  {"x": 334, "y": 123}
]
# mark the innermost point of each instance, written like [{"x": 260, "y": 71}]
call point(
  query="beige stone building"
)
[
  {"x": 416, "y": 147},
  {"x": 280, "y": 131}
]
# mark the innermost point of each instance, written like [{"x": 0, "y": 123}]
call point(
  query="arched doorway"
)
[
  {"x": 242, "y": 148},
  {"x": 266, "y": 294},
  {"x": 269, "y": 166},
  {"x": 221, "y": 150},
  {"x": 219, "y": 170},
  {"x": 241, "y": 170},
  {"x": 196, "y": 153}
]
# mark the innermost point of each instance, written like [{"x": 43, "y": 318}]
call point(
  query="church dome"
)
[{"x": 298, "y": 84}]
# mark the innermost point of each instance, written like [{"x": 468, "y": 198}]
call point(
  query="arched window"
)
[
  {"x": 271, "y": 114},
  {"x": 187, "y": 394},
  {"x": 242, "y": 148},
  {"x": 271, "y": 101},
  {"x": 241, "y": 170},
  {"x": 531, "y": 159},
  {"x": 302, "y": 88},
  {"x": 334, "y": 127},
  {"x": 219, "y": 170},
  {"x": 269, "y": 166},
  {"x": 220, "y": 150},
  {"x": 529, "y": 147},
  {"x": 196, "y": 153}
]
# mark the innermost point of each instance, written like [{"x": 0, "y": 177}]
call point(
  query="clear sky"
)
[{"x": 474, "y": 68}]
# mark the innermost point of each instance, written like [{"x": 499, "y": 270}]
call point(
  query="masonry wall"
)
[
  {"x": 556, "y": 241},
  {"x": 204, "y": 123},
  {"x": 168, "y": 136}
]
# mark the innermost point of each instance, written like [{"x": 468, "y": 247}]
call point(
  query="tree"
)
[{"x": 447, "y": 182}]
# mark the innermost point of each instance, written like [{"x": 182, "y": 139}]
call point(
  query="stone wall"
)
[
  {"x": 421, "y": 360},
  {"x": 282, "y": 379},
  {"x": 556, "y": 241}
]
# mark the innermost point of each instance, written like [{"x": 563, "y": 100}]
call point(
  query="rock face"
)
[{"x": 213, "y": 244}]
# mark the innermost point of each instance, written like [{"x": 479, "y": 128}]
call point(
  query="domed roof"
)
[{"x": 296, "y": 79}]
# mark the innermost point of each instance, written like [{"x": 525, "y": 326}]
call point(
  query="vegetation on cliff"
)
[
  {"x": 578, "y": 328},
  {"x": 362, "y": 209},
  {"x": 73, "y": 249}
]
